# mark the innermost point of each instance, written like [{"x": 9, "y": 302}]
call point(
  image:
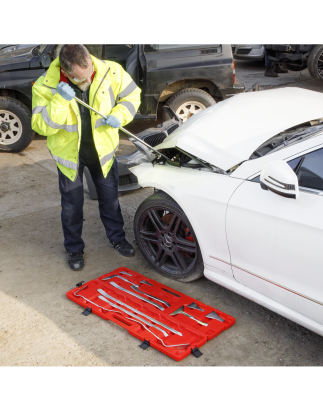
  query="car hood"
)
[
  {"x": 230, "y": 131},
  {"x": 15, "y": 53}
]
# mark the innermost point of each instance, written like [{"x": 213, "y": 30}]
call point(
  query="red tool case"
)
[{"x": 194, "y": 335}]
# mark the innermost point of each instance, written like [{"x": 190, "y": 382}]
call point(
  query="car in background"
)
[
  {"x": 241, "y": 201},
  {"x": 298, "y": 57},
  {"x": 186, "y": 77},
  {"x": 251, "y": 52}
]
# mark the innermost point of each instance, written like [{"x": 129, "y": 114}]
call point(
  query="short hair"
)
[{"x": 73, "y": 54}]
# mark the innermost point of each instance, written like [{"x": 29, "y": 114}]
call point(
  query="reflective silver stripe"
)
[
  {"x": 98, "y": 123},
  {"x": 129, "y": 106},
  {"x": 52, "y": 89},
  {"x": 44, "y": 74},
  {"x": 37, "y": 109},
  {"x": 108, "y": 157},
  {"x": 50, "y": 123},
  {"x": 65, "y": 163},
  {"x": 128, "y": 90},
  {"x": 112, "y": 97}
]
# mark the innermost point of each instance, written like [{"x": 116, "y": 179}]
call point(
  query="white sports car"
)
[{"x": 240, "y": 200}]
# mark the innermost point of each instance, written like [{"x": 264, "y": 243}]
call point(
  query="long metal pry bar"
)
[{"x": 123, "y": 129}]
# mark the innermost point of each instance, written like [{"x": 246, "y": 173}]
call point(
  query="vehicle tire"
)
[
  {"x": 292, "y": 67},
  {"x": 166, "y": 239},
  {"x": 315, "y": 62},
  {"x": 188, "y": 102},
  {"x": 15, "y": 125}
]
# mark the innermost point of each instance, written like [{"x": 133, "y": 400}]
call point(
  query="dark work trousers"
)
[
  {"x": 268, "y": 62},
  {"x": 72, "y": 201}
]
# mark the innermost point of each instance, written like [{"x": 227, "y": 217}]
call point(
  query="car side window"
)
[
  {"x": 310, "y": 171},
  {"x": 151, "y": 48}
]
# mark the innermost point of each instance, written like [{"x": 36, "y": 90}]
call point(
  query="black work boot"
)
[
  {"x": 278, "y": 68},
  {"x": 124, "y": 248},
  {"x": 269, "y": 72},
  {"x": 76, "y": 261}
]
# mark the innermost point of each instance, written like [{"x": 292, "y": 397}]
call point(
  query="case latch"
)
[
  {"x": 87, "y": 311},
  {"x": 79, "y": 284},
  {"x": 196, "y": 352},
  {"x": 145, "y": 344}
]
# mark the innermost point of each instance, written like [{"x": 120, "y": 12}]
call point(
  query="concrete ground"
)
[{"x": 40, "y": 326}]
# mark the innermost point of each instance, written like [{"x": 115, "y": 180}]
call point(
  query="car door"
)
[
  {"x": 275, "y": 242},
  {"x": 117, "y": 53}
]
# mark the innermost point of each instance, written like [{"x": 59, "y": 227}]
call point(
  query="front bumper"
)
[{"x": 248, "y": 51}]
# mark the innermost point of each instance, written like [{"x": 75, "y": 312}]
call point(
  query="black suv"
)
[{"x": 186, "y": 77}]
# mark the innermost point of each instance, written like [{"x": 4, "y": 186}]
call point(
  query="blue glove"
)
[
  {"x": 112, "y": 122},
  {"x": 65, "y": 91}
]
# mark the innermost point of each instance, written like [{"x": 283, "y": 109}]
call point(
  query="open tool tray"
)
[{"x": 176, "y": 346}]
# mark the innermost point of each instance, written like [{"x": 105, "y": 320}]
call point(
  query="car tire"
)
[
  {"x": 315, "y": 62},
  {"x": 173, "y": 249},
  {"x": 188, "y": 102},
  {"x": 15, "y": 125}
]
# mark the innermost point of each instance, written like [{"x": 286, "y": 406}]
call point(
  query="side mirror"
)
[
  {"x": 279, "y": 178},
  {"x": 45, "y": 60}
]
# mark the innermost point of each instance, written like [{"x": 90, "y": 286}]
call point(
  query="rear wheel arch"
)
[
  {"x": 5, "y": 92},
  {"x": 202, "y": 84}
]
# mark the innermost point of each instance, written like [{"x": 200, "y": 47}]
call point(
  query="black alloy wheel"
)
[
  {"x": 315, "y": 62},
  {"x": 166, "y": 238}
]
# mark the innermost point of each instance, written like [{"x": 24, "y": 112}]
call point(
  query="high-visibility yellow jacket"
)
[{"x": 112, "y": 92}]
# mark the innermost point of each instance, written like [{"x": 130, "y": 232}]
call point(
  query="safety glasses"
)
[{"x": 76, "y": 80}]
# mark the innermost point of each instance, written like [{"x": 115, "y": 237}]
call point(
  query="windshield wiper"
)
[
  {"x": 298, "y": 136},
  {"x": 302, "y": 134}
]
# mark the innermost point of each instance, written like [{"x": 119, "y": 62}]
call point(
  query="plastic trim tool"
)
[{"x": 180, "y": 310}]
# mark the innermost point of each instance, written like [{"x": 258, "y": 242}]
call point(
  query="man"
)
[
  {"x": 78, "y": 137},
  {"x": 271, "y": 69}
]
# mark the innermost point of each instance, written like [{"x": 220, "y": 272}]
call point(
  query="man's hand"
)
[
  {"x": 65, "y": 91},
  {"x": 112, "y": 122}
]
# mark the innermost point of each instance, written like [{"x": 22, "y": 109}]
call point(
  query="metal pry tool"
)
[
  {"x": 139, "y": 312},
  {"x": 195, "y": 306},
  {"x": 123, "y": 129},
  {"x": 214, "y": 316},
  {"x": 180, "y": 310}
]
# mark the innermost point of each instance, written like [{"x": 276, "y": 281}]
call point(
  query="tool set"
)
[{"x": 116, "y": 298}]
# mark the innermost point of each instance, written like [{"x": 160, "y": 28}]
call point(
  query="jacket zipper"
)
[
  {"x": 78, "y": 142},
  {"x": 100, "y": 86},
  {"x": 95, "y": 96}
]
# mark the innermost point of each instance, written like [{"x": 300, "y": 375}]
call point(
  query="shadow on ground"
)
[{"x": 39, "y": 326}]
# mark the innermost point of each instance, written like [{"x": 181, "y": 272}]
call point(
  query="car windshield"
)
[
  {"x": 288, "y": 137},
  {"x": 39, "y": 49}
]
